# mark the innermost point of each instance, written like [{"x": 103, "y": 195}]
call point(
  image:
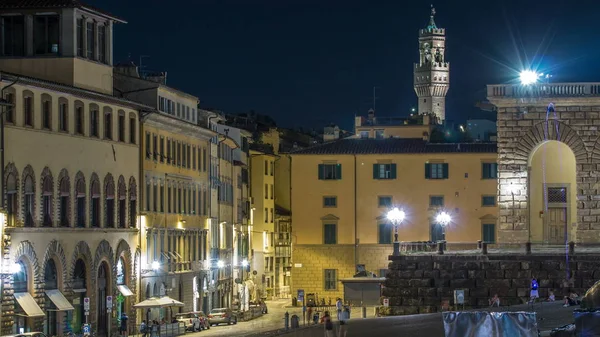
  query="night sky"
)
[{"x": 310, "y": 63}]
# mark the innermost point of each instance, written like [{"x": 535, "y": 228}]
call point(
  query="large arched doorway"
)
[
  {"x": 26, "y": 308},
  {"x": 552, "y": 193},
  {"x": 124, "y": 291},
  {"x": 50, "y": 283},
  {"x": 102, "y": 283},
  {"x": 79, "y": 293}
]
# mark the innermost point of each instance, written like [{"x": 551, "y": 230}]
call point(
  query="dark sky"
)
[{"x": 310, "y": 62}]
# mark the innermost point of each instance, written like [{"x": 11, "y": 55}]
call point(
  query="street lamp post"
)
[
  {"x": 443, "y": 219},
  {"x": 396, "y": 216},
  {"x": 243, "y": 299}
]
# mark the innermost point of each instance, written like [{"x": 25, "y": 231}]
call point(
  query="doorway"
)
[
  {"x": 438, "y": 233},
  {"x": 556, "y": 225},
  {"x": 101, "y": 299}
]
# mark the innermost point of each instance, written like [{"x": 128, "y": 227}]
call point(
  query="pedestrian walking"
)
[
  {"x": 343, "y": 329},
  {"x": 143, "y": 329},
  {"x": 123, "y": 328},
  {"x": 339, "y": 306},
  {"x": 328, "y": 325},
  {"x": 533, "y": 294}
]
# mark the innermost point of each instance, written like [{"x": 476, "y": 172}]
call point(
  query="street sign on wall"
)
[
  {"x": 109, "y": 302},
  {"x": 300, "y": 295},
  {"x": 86, "y": 304}
]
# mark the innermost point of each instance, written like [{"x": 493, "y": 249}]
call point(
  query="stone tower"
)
[{"x": 432, "y": 72}]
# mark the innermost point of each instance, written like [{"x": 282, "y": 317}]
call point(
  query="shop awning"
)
[
  {"x": 125, "y": 291},
  {"x": 28, "y": 304},
  {"x": 59, "y": 300},
  {"x": 158, "y": 302}
]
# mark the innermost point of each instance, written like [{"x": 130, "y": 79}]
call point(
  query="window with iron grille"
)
[
  {"x": 557, "y": 194},
  {"x": 489, "y": 170},
  {"x": 436, "y": 201},
  {"x": 330, "y": 201}
]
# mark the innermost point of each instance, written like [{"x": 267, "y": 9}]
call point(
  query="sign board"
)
[
  {"x": 109, "y": 302},
  {"x": 86, "y": 329},
  {"x": 301, "y": 295},
  {"x": 386, "y": 302},
  {"x": 86, "y": 304},
  {"x": 459, "y": 296}
]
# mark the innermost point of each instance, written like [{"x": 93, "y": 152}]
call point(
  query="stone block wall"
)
[
  {"x": 523, "y": 125},
  {"x": 419, "y": 284}
]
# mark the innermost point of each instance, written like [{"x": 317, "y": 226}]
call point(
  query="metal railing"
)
[{"x": 544, "y": 90}]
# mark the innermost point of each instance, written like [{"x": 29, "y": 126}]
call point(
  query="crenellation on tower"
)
[{"x": 432, "y": 72}]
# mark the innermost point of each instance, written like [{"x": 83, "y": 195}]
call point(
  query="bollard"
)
[
  {"x": 484, "y": 248},
  {"x": 364, "y": 312},
  {"x": 287, "y": 320},
  {"x": 440, "y": 245},
  {"x": 571, "y": 248},
  {"x": 528, "y": 248}
]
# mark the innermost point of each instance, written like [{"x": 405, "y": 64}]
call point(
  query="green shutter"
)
[
  {"x": 445, "y": 169},
  {"x": 321, "y": 172},
  {"x": 338, "y": 171},
  {"x": 375, "y": 171},
  {"x": 427, "y": 171},
  {"x": 393, "y": 171}
]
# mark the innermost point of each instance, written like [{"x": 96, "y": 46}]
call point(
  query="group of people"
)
[
  {"x": 343, "y": 314},
  {"x": 571, "y": 300}
]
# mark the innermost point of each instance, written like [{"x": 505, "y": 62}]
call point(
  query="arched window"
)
[
  {"x": 10, "y": 95},
  {"x": 11, "y": 199},
  {"x": 110, "y": 201},
  {"x": 46, "y": 112},
  {"x": 80, "y": 199},
  {"x": 94, "y": 121},
  {"x": 47, "y": 195},
  {"x": 65, "y": 201},
  {"x": 108, "y": 123},
  {"x": 50, "y": 279},
  {"x": 29, "y": 194},
  {"x": 28, "y": 108},
  {"x": 20, "y": 281},
  {"x": 132, "y": 203},
  {"x": 63, "y": 114},
  {"x": 122, "y": 193},
  {"x": 95, "y": 203},
  {"x": 79, "y": 118}
]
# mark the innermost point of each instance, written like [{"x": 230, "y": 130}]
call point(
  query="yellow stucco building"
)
[
  {"x": 341, "y": 192},
  {"x": 70, "y": 173}
]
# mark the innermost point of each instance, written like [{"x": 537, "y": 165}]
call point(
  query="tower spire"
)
[{"x": 431, "y": 19}]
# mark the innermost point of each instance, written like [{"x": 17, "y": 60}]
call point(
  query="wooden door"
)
[{"x": 556, "y": 225}]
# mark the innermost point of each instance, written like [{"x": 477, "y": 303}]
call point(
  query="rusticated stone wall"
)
[{"x": 419, "y": 284}]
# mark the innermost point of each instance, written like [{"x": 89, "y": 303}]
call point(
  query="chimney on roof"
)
[
  {"x": 127, "y": 68},
  {"x": 160, "y": 77}
]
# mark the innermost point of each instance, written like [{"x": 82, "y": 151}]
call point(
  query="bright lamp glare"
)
[
  {"x": 396, "y": 215},
  {"x": 155, "y": 265},
  {"x": 220, "y": 264},
  {"x": 245, "y": 263},
  {"x": 15, "y": 268},
  {"x": 528, "y": 77},
  {"x": 443, "y": 218}
]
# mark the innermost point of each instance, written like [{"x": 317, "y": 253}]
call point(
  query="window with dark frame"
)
[
  {"x": 13, "y": 35},
  {"x": 80, "y": 37},
  {"x": 148, "y": 146},
  {"x": 330, "y": 201},
  {"x": 384, "y": 234},
  {"x": 162, "y": 149},
  {"x": 79, "y": 119},
  {"x": 90, "y": 40},
  {"x": 108, "y": 125},
  {"x": 330, "y": 234},
  {"x": 488, "y": 200},
  {"x": 102, "y": 44},
  {"x": 489, "y": 170},
  {"x": 154, "y": 147},
  {"x": 9, "y": 115},
  {"x": 168, "y": 150},
  {"x": 330, "y": 171},
  {"x": 63, "y": 114},
  {"x": 436, "y": 171},
  {"x": 330, "y": 279},
  {"x": 384, "y": 171},
  {"x": 488, "y": 233},
  {"x": 132, "y": 130},
  {"x": 28, "y": 110},
  {"x": 436, "y": 201},
  {"x": 384, "y": 201},
  {"x": 46, "y": 33},
  {"x": 46, "y": 114},
  {"x": 94, "y": 122},
  {"x": 121, "y": 127}
]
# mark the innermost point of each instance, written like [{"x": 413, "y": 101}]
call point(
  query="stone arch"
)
[
  {"x": 9, "y": 172},
  {"x": 46, "y": 189},
  {"x": 82, "y": 251},
  {"x": 124, "y": 251},
  {"x": 55, "y": 251},
  {"x": 595, "y": 151},
  {"x": 28, "y": 181},
  {"x": 64, "y": 190},
  {"x": 104, "y": 252},
  {"x": 536, "y": 135},
  {"x": 25, "y": 250}
]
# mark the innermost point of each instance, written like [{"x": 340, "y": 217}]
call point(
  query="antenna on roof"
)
[{"x": 141, "y": 67}]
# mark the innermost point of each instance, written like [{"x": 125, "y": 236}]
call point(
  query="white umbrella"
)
[{"x": 158, "y": 302}]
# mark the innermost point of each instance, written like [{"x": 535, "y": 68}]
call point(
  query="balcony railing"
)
[{"x": 543, "y": 90}]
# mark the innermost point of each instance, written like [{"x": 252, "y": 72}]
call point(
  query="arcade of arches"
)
[{"x": 51, "y": 283}]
